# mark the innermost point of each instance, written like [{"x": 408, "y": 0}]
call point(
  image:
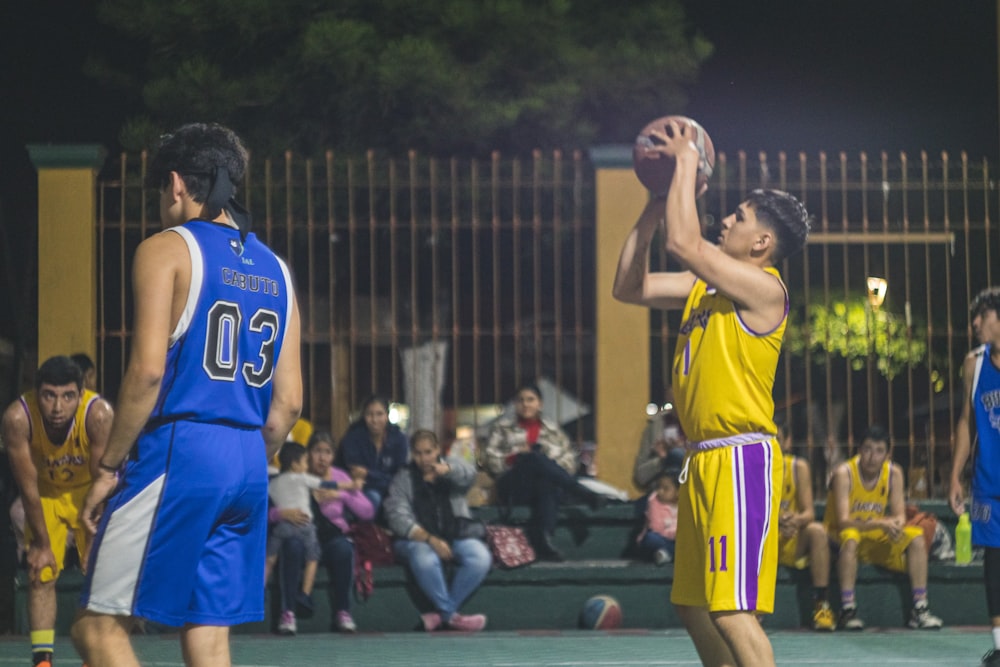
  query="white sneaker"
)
[
  {"x": 286, "y": 626},
  {"x": 921, "y": 618}
]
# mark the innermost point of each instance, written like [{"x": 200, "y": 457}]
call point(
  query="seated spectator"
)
[
  {"x": 661, "y": 447},
  {"x": 866, "y": 517},
  {"x": 802, "y": 540},
  {"x": 657, "y": 539},
  {"x": 336, "y": 549},
  {"x": 533, "y": 463},
  {"x": 373, "y": 450},
  {"x": 290, "y": 490},
  {"x": 426, "y": 509}
]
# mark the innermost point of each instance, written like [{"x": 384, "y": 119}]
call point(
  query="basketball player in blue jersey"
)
[
  {"x": 735, "y": 310},
  {"x": 979, "y": 421},
  {"x": 211, "y": 390}
]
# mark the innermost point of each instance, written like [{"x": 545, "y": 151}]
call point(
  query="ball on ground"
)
[
  {"x": 655, "y": 171},
  {"x": 601, "y": 612}
]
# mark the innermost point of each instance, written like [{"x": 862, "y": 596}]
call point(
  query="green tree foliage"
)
[
  {"x": 850, "y": 329},
  {"x": 444, "y": 77}
]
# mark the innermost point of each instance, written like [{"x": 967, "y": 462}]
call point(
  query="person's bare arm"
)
[
  {"x": 634, "y": 283},
  {"x": 804, "y": 494},
  {"x": 286, "y": 394},
  {"x": 760, "y": 296},
  {"x": 16, "y": 435},
  {"x": 895, "y": 516},
  {"x": 99, "y": 419},
  {"x": 963, "y": 438},
  {"x": 154, "y": 272}
]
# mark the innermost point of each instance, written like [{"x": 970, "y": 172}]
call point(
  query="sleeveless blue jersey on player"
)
[
  {"x": 986, "y": 410},
  {"x": 223, "y": 375},
  {"x": 182, "y": 541}
]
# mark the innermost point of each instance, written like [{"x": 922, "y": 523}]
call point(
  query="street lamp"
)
[{"x": 876, "y": 291}]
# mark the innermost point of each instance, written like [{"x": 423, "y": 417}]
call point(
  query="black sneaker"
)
[
  {"x": 304, "y": 606},
  {"x": 849, "y": 619},
  {"x": 991, "y": 658}
]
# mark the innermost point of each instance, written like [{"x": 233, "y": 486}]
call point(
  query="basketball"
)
[
  {"x": 601, "y": 612},
  {"x": 655, "y": 171}
]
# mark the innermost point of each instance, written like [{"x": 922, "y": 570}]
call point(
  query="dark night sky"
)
[
  {"x": 793, "y": 75},
  {"x": 849, "y": 75}
]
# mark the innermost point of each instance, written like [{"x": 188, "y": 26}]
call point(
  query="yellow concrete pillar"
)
[
  {"x": 67, "y": 247},
  {"x": 622, "y": 340}
]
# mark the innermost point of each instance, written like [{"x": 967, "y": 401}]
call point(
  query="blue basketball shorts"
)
[
  {"x": 182, "y": 540},
  {"x": 985, "y": 515}
]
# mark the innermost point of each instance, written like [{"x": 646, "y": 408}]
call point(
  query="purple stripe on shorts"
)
[{"x": 756, "y": 485}]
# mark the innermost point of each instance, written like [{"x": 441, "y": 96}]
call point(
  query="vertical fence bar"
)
[
  {"x": 334, "y": 335},
  {"x": 394, "y": 286},
  {"x": 557, "y": 269},
  {"x": 536, "y": 266},
  {"x": 497, "y": 272}
]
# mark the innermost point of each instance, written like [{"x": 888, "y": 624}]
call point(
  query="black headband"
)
[{"x": 220, "y": 197}]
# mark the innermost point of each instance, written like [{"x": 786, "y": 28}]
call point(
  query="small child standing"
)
[
  {"x": 656, "y": 541},
  {"x": 290, "y": 489}
]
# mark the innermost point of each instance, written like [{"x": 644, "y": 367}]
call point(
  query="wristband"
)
[{"x": 104, "y": 466}]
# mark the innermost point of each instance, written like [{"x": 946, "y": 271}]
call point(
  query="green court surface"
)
[{"x": 944, "y": 648}]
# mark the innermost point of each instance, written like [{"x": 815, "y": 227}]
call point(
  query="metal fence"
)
[{"x": 444, "y": 284}]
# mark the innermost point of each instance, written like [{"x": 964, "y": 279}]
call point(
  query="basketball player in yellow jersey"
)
[
  {"x": 735, "y": 308},
  {"x": 802, "y": 540},
  {"x": 55, "y": 435},
  {"x": 866, "y": 516}
]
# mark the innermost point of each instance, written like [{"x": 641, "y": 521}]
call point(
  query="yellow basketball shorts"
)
[
  {"x": 727, "y": 529},
  {"x": 787, "y": 553},
  {"x": 62, "y": 514},
  {"x": 877, "y": 548}
]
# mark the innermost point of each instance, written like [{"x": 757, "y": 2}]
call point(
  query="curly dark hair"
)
[
  {"x": 196, "y": 151},
  {"x": 786, "y": 216},
  {"x": 988, "y": 299},
  {"x": 58, "y": 371}
]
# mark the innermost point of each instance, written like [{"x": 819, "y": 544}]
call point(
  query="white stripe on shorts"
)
[{"x": 120, "y": 556}]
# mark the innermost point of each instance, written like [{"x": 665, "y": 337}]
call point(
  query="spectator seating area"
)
[{"x": 549, "y": 596}]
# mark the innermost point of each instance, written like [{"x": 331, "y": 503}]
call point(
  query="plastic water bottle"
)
[{"x": 963, "y": 540}]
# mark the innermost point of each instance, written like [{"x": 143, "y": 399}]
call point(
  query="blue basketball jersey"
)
[
  {"x": 224, "y": 350},
  {"x": 986, "y": 410}
]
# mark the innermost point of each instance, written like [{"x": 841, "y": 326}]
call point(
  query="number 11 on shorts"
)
[{"x": 722, "y": 554}]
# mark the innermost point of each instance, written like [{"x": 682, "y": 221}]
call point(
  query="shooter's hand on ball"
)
[{"x": 677, "y": 143}]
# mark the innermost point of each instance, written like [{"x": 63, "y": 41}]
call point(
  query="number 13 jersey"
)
[{"x": 225, "y": 346}]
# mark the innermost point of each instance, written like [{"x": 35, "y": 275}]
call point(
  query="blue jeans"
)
[
  {"x": 472, "y": 562},
  {"x": 652, "y": 542},
  {"x": 337, "y": 556}
]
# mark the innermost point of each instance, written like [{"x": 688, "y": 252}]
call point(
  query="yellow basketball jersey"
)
[
  {"x": 864, "y": 503},
  {"x": 65, "y": 465},
  {"x": 723, "y": 372},
  {"x": 789, "y": 488}
]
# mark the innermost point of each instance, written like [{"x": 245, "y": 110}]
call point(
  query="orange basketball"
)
[{"x": 655, "y": 171}]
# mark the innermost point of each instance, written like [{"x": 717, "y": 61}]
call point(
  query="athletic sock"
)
[
  {"x": 42, "y": 644},
  {"x": 847, "y": 598},
  {"x": 819, "y": 594},
  {"x": 919, "y": 595},
  {"x": 996, "y": 638}
]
